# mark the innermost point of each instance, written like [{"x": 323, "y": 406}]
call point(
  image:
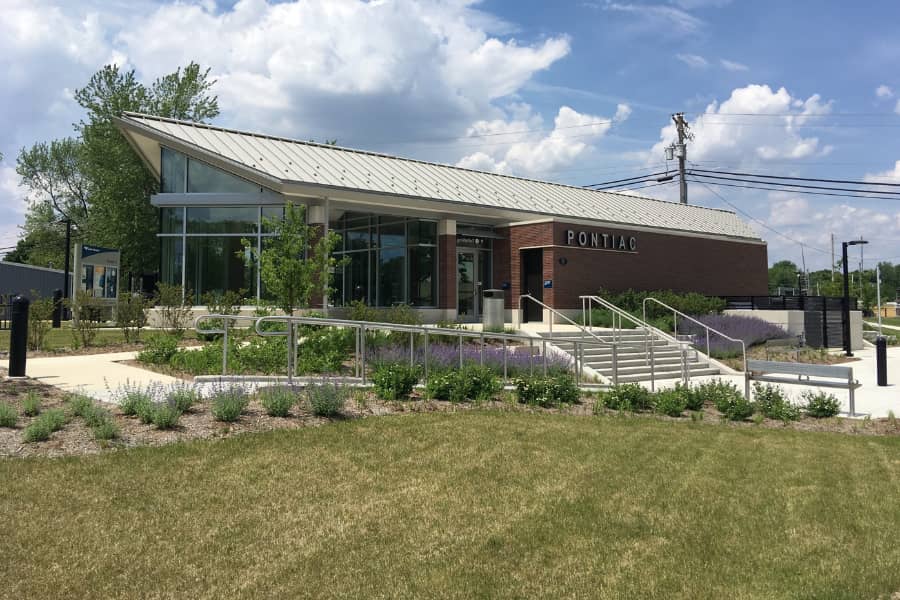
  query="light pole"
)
[{"x": 845, "y": 305}]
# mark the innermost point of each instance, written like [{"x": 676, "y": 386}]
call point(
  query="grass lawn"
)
[
  {"x": 462, "y": 505},
  {"x": 62, "y": 338}
]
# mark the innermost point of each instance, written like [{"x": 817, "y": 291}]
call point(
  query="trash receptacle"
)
[{"x": 492, "y": 309}]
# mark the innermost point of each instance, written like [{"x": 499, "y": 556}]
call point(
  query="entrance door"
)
[
  {"x": 533, "y": 283},
  {"x": 467, "y": 286}
]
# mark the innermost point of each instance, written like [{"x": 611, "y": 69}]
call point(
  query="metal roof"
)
[{"x": 292, "y": 161}]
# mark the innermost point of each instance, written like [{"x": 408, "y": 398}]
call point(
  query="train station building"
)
[{"x": 428, "y": 235}]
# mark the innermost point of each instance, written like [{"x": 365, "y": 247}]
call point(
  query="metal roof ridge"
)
[{"x": 401, "y": 158}]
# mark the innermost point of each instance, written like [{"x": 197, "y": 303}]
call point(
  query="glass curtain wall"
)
[
  {"x": 201, "y": 247},
  {"x": 388, "y": 260}
]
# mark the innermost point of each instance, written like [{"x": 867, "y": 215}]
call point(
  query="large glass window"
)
[
  {"x": 422, "y": 276},
  {"x": 218, "y": 264},
  {"x": 171, "y": 219},
  {"x": 222, "y": 219},
  {"x": 172, "y": 258},
  {"x": 180, "y": 174},
  {"x": 174, "y": 171},
  {"x": 390, "y": 260},
  {"x": 203, "y": 178}
]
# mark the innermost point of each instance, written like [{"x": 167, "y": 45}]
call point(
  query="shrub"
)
[
  {"x": 86, "y": 317},
  {"x": 327, "y": 399},
  {"x": 134, "y": 399},
  {"x": 469, "y": 383},
  {"x": 629, "y": 396},
  {"x": 131, "y": 315},
  {"x": 751, "y": 330},
  {"x": 324, "y": 350},
  {"x": 79, "y": 404},
  {"x": 719, "y": 393},
  {"x": 38, "y": 431},
  {"x": 164, "y": 415},
  {"x": 277, "y": 400},
  {"x": 174, "y": 303},
  {"x": 158, "y": 349},
  {"x": 547, "y": 391},
  {"x": 395, "y": 381},
  {"x": 820, "y": 404},
  {"x": 771, "y": 403},
  {"x": 8, "y": 415},
  {"x": 40, "y": 312},
  {"x": 670, "y": 402},
  {"x": 106, "y": 430},
  {"x": 693, "y": 399},
  {"x": 728, "y": 400},
  {"x": 96, "y": 416},
  {"x": 55, "y": 419},
  {"x": 227, "y": 403},
  {"x": 206, "y": 360},
  {"x": 183, "y": 398},
  {"x": 31, "y": 404}
]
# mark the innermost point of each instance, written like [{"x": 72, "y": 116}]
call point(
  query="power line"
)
[
  {"x": 647, "y": 176},
  {"x": 771, "y": 189},
  {"x": 761, "y": 223},
  {"x": 797, "y": 178},
  {"x": 629, "y": 189},
  {"x": 793, "y": 185}
]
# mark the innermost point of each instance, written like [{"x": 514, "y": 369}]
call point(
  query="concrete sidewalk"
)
[{"x": 93, "y": 374}]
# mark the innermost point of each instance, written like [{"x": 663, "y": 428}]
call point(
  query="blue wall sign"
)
[{"x": 548, "y": 283}]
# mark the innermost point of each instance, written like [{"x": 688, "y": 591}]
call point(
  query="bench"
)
[
  {"x": 794, "y": 343},
  {"x": 827, "y": 376}
]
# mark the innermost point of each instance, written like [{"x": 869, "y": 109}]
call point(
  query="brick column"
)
[{"x": 447, "y": 266}]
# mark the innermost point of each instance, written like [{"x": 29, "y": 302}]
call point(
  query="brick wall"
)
[
  {"x": 661, "y": 261},
  {"x": 447, "y": 271}
]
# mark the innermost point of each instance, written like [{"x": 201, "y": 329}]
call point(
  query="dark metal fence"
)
[
  {"x": 818, "y": 303},
  {"x": 822, "y": 315}
]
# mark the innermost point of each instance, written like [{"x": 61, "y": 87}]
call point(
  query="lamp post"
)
[{"x": 845, "y": 305}]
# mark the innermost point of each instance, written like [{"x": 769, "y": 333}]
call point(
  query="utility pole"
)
[
  {"x": 681, "y": 150},
  {"x": 832, "y": 258}
]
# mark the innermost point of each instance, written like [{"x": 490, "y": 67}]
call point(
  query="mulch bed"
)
[{"x": 77, "y": 439}]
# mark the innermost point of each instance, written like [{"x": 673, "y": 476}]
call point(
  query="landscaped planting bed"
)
[{"x": 158, "y": 416}]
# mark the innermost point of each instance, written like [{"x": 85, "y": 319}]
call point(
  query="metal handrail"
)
[
  {"x": 705, "y": 326},
  {"x": 361, "y": 327},
  {"x": 620, "y": 312},
  {"x": 614, "y": 345},
  {"x": 587, "y": 306},
  {"x": 223, "y": 331}
]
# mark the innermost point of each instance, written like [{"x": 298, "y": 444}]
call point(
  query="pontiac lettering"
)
[{"x": 607, "y": 241}]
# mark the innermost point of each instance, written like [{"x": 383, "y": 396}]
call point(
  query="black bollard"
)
[
  {"x": 57, "y": 309},
  {"x": 881, "y": 360},
  {"x": 18, "y": 336}
]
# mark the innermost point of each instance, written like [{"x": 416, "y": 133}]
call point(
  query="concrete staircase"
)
[{"x": 633, "y": 358}]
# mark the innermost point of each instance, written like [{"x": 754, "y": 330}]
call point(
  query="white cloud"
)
[
  {"x": 889, "y": 176},
  {"x": 526, "y": 152},
  {"x": 724, "y": 133},
  {"x": 694, "y": 61},
  {"x": 345, "y": 69},
  {"x": 730, "y": 65},
  {"x": 884, "y": 92},
  {"x": 659, "y": 18}
]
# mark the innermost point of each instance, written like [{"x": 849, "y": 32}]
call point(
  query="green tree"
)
[
  {"x": 121, "y": 215},
  {"x": 783, "y": 274},
  {"x": 296, "y": 262}
]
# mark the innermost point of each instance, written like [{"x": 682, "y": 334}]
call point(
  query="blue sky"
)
[{"x": 577, "y": 92}]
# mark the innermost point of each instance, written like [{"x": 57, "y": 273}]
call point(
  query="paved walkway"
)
[
  {"x": 98, "y": 374},
  {"x": 93, "y": 374}
]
